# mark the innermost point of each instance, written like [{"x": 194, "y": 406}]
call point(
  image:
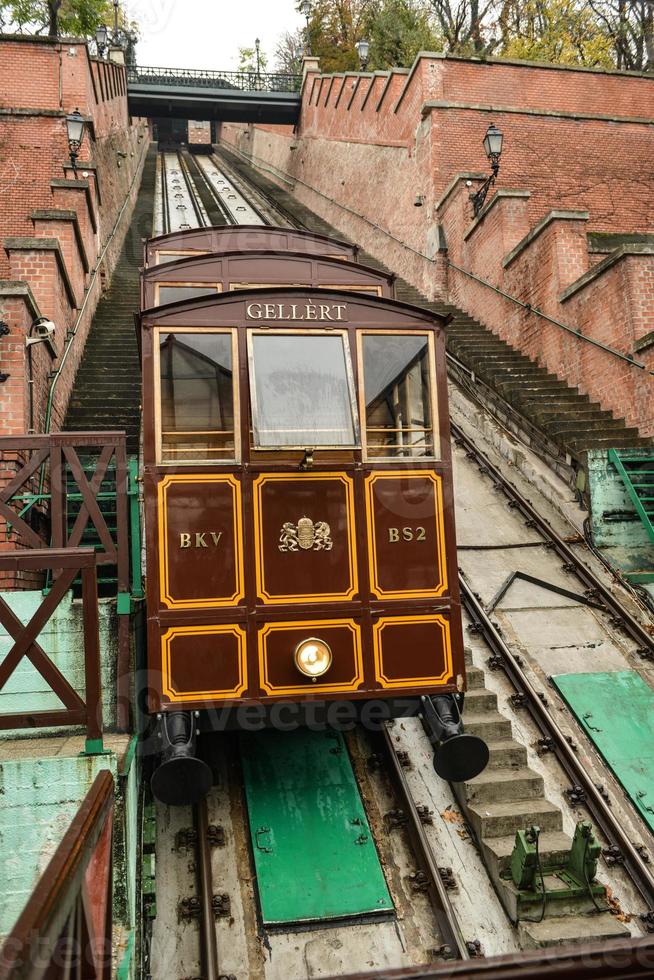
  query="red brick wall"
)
[
  {"x": 575, "y": 140},
  {"x": 42, "y": 81},
  {"x": 615, "y": 307}
]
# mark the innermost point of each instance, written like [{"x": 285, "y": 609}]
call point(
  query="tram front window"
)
[
  {"x": 399, "y": 397},
  {"x": 197, "y": 398},
  {"x": 302, "y": 391}
]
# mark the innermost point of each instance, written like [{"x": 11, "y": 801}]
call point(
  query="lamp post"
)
[
  {"x": 305, "y": 10},
  {"x": 75, "y": 129},
  {"x": 363, "y": 49},
  {"x": 116, "y": 5},
  {"x": 493, "y": 147},
  {"x": 257, "y": 42}
]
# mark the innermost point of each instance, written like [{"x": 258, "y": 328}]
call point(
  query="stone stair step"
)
[
  {"x": 479, "y": 700},
  {"x": 559, "y": 930},
  {"x": 506, "y": 752},
  {"x": 475, "y": 679},
  {"x": 489, "y": 725},
  {"x": 506, "y": 817},
  {"x": 501, "y": 785}
]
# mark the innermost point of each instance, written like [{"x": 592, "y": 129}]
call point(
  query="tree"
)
[
  {"x": 247, "y": 60},
  {"x": 630, "y": 26},
  {"x": 398, "y": 31},
  {"x": 466, "y": 25},
  {"x": 563, "y": 32},
  {"x": 290, "y": 52},
  {"x": 334, "y": 28},
  {"x": 76, "y": 18}
]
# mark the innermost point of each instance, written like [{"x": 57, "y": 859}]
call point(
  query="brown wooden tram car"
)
[
  {"x": 299, "y": 507},
  {"x": 202, "y": 275},
  {"x": 240, "y": 238}
]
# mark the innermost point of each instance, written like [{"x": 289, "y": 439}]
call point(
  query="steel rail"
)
[
  {"x": 635, "y": 629},
  {"x": 633, "y": 861},
  {"x": 208, "y": 944},
  {"x": 199, "y": 177},
  {"x": 200, "y": 212},
  {"x": 445, "y": 915}
]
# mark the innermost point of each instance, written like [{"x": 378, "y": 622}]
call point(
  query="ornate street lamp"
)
[
  {"x": 363, "y": 49},
  {"x": 101, "y": 38},
  {"x": 75, "y": 127},
  {"x": 256, "y": 48},
  {"x": 493, "y": 147},
  {"x": 305, "y": 10}
]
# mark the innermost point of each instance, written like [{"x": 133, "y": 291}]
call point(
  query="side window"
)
[
  {"x": 196, "y": 397},
  {"x": 398, "y": 373},
  {"x": 177, "y": 292}
]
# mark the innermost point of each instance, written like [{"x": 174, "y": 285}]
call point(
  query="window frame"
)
[
  {"x": 436, "y": 455},
  {"x": 349, "y": 374},
  {"x": 236, "y": 400},
  {"x": 218, "y": 286}
]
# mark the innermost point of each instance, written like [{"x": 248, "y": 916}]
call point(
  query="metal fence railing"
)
[{"x": 245, "y": 81}]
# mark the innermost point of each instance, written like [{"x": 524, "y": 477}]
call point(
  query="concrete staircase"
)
[
  {"x": 509, "y": 796},
  {"x": 566, "y": 417},
  {"x": 107, "y": 390}
]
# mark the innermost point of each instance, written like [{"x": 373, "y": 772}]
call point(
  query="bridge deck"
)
[{"x": 208, "y": 95}]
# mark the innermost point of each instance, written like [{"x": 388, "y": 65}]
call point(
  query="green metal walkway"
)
[
  {"x": 314, "y": 853},
  {"x": 616, "y": 710}
]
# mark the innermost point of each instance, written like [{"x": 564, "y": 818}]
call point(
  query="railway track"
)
[{"x": 230, "y": 191}]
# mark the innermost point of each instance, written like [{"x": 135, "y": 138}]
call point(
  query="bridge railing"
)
[{"x": 245, "y": 81}]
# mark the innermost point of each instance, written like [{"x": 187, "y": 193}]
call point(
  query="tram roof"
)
[
  {"x": 216, "y": 238},
  {"x": 231, "y": 308},
  {"x": 215, "y": 265}
]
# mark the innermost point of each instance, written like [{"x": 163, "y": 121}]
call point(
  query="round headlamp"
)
[{"x": 312, "y": 657}]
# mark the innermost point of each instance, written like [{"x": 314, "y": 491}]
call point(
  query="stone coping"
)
[
  {"x": 498, "y": 196},
  {"x": 57, "y": 214},
  {"x": 522, "y": 111},
  {"x": 625, "y": 251},
  {"x": 606, "y": 241},
  {"x": 518, "y": 63},
  {"x": 26, "y": 244},
  {"x": 644, "y": 342},
  {"x": 11, "y": 288},
  {"x": 539, "y": 228},
  {"x": 78, "y": 185},
  {"x": 451, "y": 187}
]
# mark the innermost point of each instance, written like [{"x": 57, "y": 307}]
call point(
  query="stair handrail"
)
[{"x": 575, "y": 331}]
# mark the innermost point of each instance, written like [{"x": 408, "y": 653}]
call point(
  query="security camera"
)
[
  {"x": 42, "y": 329},
  {"x": 419, "y": 201}
]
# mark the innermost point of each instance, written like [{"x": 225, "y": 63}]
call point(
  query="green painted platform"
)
[
  {"x": 314, "y": 854},
  {"x": 616, "y": 710}
]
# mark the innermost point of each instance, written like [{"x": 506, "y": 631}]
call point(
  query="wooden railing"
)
[
  {"x": 68, "y": 563},
  {"x": 52, "y": 474},
  {"x": 44, "y": 464},
  {"x": 64, "y": 930}
]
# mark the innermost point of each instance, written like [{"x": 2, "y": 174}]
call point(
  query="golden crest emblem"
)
[{"x": 305, "y": 536}]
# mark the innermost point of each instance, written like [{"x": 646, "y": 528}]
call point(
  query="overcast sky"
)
[{"x": 208, "y": 33}]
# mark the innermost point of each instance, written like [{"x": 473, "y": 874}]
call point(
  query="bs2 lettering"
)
[{"x": 397, "y": 534}]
